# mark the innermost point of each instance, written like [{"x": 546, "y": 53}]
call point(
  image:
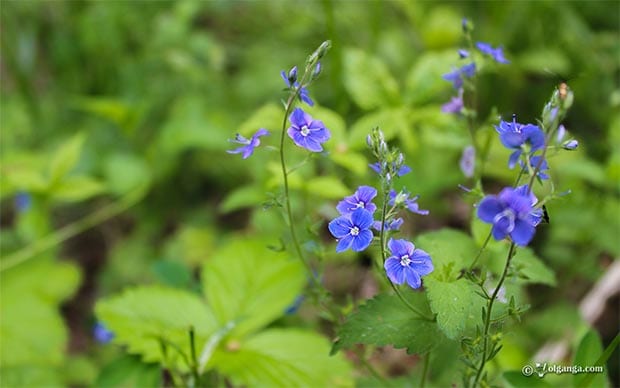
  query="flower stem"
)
[
  {"x": 425, "y": 370},
  {"x": 487, "y": 318}
]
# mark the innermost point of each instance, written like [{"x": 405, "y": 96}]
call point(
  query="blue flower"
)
[
  {"x": 407, "y": 264},
  {"x": 404, "y": 169},
  {"x": 496, "y": 53},
  {"x": 361, "y": 199},
  {"x": 402, "y": 199},
  {"x": 248, "y": 144},
  {"x": 352, "y": 231},
  {"x": 512, "y": 214},
  {"x": 291, "y": 79},
  {"x": 306, "y": 132},
  {"x": 293, "y": 307},
  {"x": 23, "y": 201},
  {"x": 389, "y": 225},
  {"x": 534, "y": 160},
  {"x": 102, "y": 334},
  {"x": 456, "y": 75},
  {"x": 514, "y": 135},
  {"x": 463, "y": 53},
  {"x": 571, "y": 145},
  {"x": 468, "y": 161},
  {"x": 455, "y": 105}
]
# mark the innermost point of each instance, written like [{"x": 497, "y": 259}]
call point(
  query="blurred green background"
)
[{"x": 132, "y": 103}]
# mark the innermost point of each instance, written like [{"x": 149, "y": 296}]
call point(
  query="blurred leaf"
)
[
  {"x": 424, "y": 83},
  {"x": 192, "y": 244},
  {"x": 386, "y": 320},
  {"x": 172, "y": 273},
  {"x": 368, "y": 80},
  {"x": 545, "y": 61},
  {"x": 448, "y": 246},
  {"x": 129, "y": 371},
  {"x": 528, "y": 264},
  {"x": 77, "y": 188},
  {"x": 125, "y": 172},
  {"x": 65, "y": 158},
  {"x": 30, "y": 375},
  {"x": 140, "y": 317},
  {"x": 247, "y": 283},
  {"x": 390, "y": 121},
  {"x": 353, "y": 161},
  {"x": 516, "y": 379},
  {"x": 327, "y": 187},
  {"x": 283, "y": 358},
  {"x": 456, "y": 304},
  {"x": 587, "y": 353},
  {"x": 441, "y": 27},
  {"x": 268, "y": 116},
  {"x": 118, "y": 112},
  {"x": 244, "y": 196}
]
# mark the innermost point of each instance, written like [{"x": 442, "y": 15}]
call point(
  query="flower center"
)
[
  {"x": 405, "y": 260},
  {"x": 355, "y": 231},
  {"x": 360, "y": 204},
  {"x": 506, "y": 220},
  {"x": 305, "y": 130}
]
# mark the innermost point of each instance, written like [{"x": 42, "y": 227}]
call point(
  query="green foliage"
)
[
  {"x": 587, "y": 354},
  {"x": 449, "y": 248},
  {"x": 386, "y": 320},
  {"x": 129, "y": 371},
  {"x": 456, "y": 303}
]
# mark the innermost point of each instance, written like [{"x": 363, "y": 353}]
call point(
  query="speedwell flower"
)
[
  {"x": 407, "y": 264},
  {"x": 307, "y": 132},
  {"x": 455, "y": 76},
  {"x": 389, "y": 225},
  {"x": 361, "y": 199},
  {"x": 496, "y": 53},
  {"x": 512, "y": 214},
  {"x": 534, "y": 160},
  {"x": 514, "y": 135},
  {"x": 352, "y": 231},
  {"x": 455, "y": 105},
  {"x": 402, "y": 199},
  {"x": 291, "y": 83},
  {"x": 248, "y": 144},
  {"x": 468, "y": 161},
  {"x": 404, "y": 169}
]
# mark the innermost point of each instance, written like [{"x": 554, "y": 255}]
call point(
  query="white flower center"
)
[
  {"x": 305, "y": 130},
  {"x": 360, "y": 204},
  {"x": 405, "y": 260},
  {"x": 355, "y": 231},
  {"x": 508, "y": 216}
]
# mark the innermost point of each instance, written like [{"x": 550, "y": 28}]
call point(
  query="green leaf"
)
[
  {"x": 516, "y": 379},
  {"x": 249, "y": 284},
  {"x": 327, "y": 187},
  {"x": 526, "y": 263},
  {"x": 448, "y": 247},
  {"x": 244, "y": 196},
  {"x": 353, "y": 161},
  {"x": 424, "y": 83},
  {"x": 172, "y": 273},
  {"x": 77, "y": 188},
  {"x": 282, "y": 358},
  {"x": 392, "y": 121},
  {"x": 386, "y": 320},
  {"x": 129, "y": 371},
  {"x": 456, "y": 304},
  {"x": 588, "y": 352},
  {"x": 125, "y": 172},
  {"x": 268, "y": 116},
  {"x": 141, "y": 316},
  {"x": 65, "y": 158},
  {"x": 30, "y": 376},
  {"x": 31, "y": 328},
  {"x": 368, "y": 80}
]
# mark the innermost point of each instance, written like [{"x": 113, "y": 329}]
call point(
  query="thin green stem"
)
[
  {"x": 194, "y": 359},
  {"x": 370, "y": 368},
  {"x": 72, "y": 229},
  {"x": 425, "y": 370},
  {"x": 487, "y": 318}
]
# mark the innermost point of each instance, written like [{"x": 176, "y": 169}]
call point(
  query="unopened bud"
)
[
  {"x": 317, "y": 70},
  {"x": 571, "y": 145},
  {"x": 292, "y": 75}
]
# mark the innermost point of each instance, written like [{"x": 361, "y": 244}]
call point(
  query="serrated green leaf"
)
[
  {"x": 140, "y": 316},
  {"x": 527, "y": 264},
  {"x": 448, "y": 247},
  {"x": 247, "y": 283},
  {"x": 368, "y": 80},
  {"x": 327, "y": 187},
  {"x": 386, "y": 320},
  {"x": 456, "y": 304},
  {"x": 283, "y": 358},
  {"x": 77, "y": 188},
  {"x": 65, "y": 158}
]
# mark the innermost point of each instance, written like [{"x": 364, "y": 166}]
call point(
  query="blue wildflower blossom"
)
[
  {"x": 389, "y": 225},
  {"x": 248, "y": 144},
  {"x": 534, "y": 160},
  {"x": 496, "y": 53},
  {"x": 23, "y": 202},
  {"x": 407, "y": 264},
  {"x": 352, "y": 231},
  {"x": 512, "y": 214},
  {"x": 307, "y": 132},
  {"x": 361, "y": 199},
  {"x": 456, "y": 76},
  {"x": 410, "y": 204},
  {"x": 514, "y": 135},
  {"x": 455, "y": 105},
  {"x": 468, "y": 161},
  {"x": 291, "y": 82},
  {"x": 404, "y": 169},
  {"x": 463, "y": 53},
  {"x": 102, "y": 334}
]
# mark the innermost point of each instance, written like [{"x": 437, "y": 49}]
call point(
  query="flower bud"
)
[
  {"x": 317, "y": 70},
  {"x": 571, "y": 145},
  {"x": 292, "y": 75},
  {"x": 561, "y": 133},
  {"x": 463, "y": 53}
]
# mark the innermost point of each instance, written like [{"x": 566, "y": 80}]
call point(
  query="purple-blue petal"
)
[
  {"x": 522, "y": 233},
  {"x": 400, "y": 247},
  {"x": 394, "y": 270},
  {"x": 513, "y": 158},
  {"x": 297, "y": 118},
  {"x": 421, "y": 262},
  {"x": 362, "y": 218},
  {"x": 488, "y": 208},
  {"x": 344, "y": 243},
  {"x": 362, "y": 240},
  {"x": 340, "y": 227},
  {"x": 412, "y": 278}
]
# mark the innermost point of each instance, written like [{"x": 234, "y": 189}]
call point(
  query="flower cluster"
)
[{"x": 353, "y": 227}]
